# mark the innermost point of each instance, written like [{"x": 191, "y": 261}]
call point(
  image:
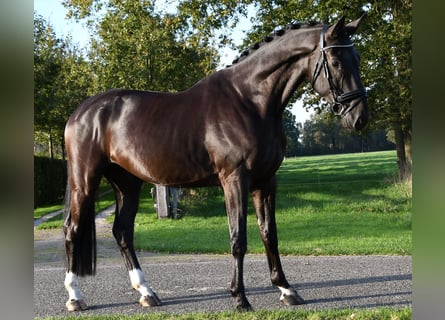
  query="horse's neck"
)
[{"x": 271, "y": 75}]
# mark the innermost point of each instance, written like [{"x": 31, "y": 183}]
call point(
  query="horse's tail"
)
[{"x": 80, "y": 238}]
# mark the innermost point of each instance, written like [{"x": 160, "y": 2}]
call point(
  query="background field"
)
[
  {"x": 326, "y": 205},
  {"x": 348, "y": 204}
]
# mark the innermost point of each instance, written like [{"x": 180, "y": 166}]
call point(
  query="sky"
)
[{"x": 55, "y": 14}]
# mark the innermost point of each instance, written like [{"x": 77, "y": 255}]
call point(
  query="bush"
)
[{"x": 50, "y": 176}]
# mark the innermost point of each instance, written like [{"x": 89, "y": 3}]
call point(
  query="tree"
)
[
  {"x": 47, "y": 66},
  {"x": 61, "y": 81},
  {"x": 389, "y": 71},
  {"x": 323, "y": 134},
  {"x": 138, "y": 47},
  {"x": 292, "y": 130}
]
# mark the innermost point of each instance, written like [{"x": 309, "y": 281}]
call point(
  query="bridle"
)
[{"x": 341, "y": 105}]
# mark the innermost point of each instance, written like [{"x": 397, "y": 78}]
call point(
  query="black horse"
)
[{"x": 225, "y": 131}]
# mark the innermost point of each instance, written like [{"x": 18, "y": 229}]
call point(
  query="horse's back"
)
[{"x": 150, "y": 134}]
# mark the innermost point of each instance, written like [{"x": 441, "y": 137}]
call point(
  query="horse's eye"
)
[{"x": 335, "y": 64}]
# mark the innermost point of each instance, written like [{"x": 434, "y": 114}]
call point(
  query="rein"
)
[{"x": 341, "y": 104}]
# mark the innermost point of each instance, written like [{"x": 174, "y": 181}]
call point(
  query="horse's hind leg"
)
[
  {"x": 79, "y": 230},
  {"x": 264, "y": 202},
  {"x": 127, "y": 189}
]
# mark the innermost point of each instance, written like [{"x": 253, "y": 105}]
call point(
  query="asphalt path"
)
[{"x": 199, "y": 283}]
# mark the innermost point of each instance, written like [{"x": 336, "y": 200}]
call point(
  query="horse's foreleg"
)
[
  {"x": 127, "y": 200},
  {"x": 235, "y": 191},
  {"x": 264, "y": 202}
]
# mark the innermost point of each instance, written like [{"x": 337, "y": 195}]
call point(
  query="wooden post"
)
[{"x": 162, "y": 202}]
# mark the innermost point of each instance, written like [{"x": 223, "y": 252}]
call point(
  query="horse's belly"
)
[{"x": 169, "y": 169}]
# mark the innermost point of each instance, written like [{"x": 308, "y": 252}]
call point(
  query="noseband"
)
[{"x": 341, "y": 104}]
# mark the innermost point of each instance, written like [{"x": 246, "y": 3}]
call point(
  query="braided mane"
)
[{"x": 271, "y": 37}]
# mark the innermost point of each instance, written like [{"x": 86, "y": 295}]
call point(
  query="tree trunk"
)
[
  {"x": 408, "y": 139},
  {"x": 62, "y": 144},
  {"x": 403, "y": 148},
  {"x": 51, "y": 152},
  {"x": 408, "y": 155}
]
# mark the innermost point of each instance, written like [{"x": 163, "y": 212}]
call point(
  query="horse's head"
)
[{"x": 335, "y": 74}]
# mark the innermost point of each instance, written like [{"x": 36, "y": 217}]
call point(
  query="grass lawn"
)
[
  {"x": 372, "y": 314},
  {"x": 326, "y": 205},
  {"x": 345, "y": 204},
  {"x": 40, "y": 212},
  {"x": 104, "y": 200}
]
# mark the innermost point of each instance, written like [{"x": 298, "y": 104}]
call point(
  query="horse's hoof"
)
[
  {"x": 76, "y": 305},
  {"x": 292, "y": 299},
  {"x": 150, "y": 301},
  {"x": 243, "y": 305},
  {"x": 244, "y": 308}
]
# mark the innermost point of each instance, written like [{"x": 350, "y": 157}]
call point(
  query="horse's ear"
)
[
  {"x": 335, "y": 30},
  {"x": 340, "y": 28},
  {"x": 352, "y": 27}
]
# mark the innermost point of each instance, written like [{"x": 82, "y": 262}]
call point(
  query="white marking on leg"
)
[
  {"x": 139, "y": 283},
  {"x": 286, "y": 292},
  {"x": 289, "y": 291},
  {"x": 72, "y": 286}
]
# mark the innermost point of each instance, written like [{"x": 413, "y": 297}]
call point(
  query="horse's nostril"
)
[{"x": 360, "y": 123}]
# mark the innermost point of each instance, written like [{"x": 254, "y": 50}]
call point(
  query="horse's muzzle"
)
[
  {"x": 360, "y": 122},
  {"x": 358, "y": 117}
]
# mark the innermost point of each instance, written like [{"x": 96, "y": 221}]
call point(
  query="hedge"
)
[{"x": 50, "y": 177}]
